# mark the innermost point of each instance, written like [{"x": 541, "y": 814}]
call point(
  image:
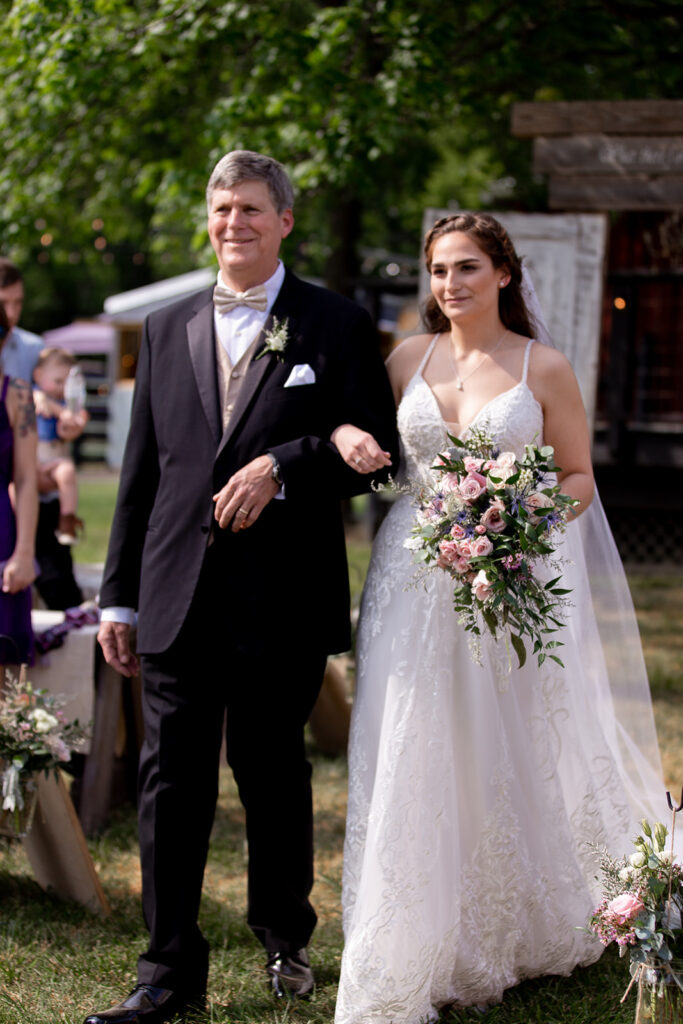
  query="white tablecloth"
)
[{"x": 68, "y": 670}]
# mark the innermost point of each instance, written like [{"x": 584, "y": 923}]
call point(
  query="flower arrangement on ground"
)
[
  {"x": 34, "y": 737},
  {"x": 487, "y": 523},
  {"x": 641, "y": 911}
]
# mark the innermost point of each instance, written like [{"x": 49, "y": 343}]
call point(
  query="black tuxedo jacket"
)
[{"x": 285, "y": 578}]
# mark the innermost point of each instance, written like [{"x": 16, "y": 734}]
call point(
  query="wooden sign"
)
[
  {"x": 57, "y": 849},
  {"x": 620, "y": 117},
  {"x": 631, "y": 192},
  {"x": 604, "y": 154}
]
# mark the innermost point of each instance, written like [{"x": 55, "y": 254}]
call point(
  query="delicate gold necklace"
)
[{"x": 460, "y": 381}]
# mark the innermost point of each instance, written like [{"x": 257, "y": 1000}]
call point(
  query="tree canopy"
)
[{"x": 112, "y": 114}]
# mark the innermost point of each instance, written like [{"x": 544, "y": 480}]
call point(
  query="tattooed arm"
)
[{"x": 19, "y": 571}]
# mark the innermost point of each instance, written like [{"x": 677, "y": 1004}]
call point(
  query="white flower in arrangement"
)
[
  {"x": 43, "y": 720},
  {"x": 276, "y": 339},
  {"x": 412, "y": 543},
  {"x": 638, "y": 860}
]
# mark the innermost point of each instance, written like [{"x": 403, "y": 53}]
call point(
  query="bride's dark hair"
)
[{"x": 493, "y": 239}]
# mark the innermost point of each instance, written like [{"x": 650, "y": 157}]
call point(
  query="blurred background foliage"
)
[{"x": 112, "y": 114}]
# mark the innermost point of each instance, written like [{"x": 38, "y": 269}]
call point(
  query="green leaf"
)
[{"x": 520, "y": 649}]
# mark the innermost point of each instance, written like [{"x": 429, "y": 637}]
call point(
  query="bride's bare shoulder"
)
[{"x": 404, "y": 360}]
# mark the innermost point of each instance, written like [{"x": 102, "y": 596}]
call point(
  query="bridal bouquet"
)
[
  {"x": 34, "y": 737},
  {"x": 487, "y": 522},
  {"x": 641, "y": 911}
]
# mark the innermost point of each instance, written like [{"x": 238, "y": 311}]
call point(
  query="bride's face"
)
[{"x": 464, "y": 281}]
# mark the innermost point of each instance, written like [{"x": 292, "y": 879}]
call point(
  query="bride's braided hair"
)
[{"x": 493, "y": 239}]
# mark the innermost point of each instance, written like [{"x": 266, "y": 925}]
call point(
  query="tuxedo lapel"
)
[{"x": 200, "y": 338}]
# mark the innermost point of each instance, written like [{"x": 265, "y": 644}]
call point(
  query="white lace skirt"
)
[{"x": 473, "y": 795}]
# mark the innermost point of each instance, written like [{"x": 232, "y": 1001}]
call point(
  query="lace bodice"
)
[{"x": 514, "y": 418}]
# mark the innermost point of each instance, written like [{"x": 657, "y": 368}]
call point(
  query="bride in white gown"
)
[{"x": 474, "y": 791}]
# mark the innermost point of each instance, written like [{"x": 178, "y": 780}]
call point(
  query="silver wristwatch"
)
[{"x": 275, "y": 470}]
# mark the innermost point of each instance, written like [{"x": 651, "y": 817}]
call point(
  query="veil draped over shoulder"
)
[{"x": 614, "y": 652}]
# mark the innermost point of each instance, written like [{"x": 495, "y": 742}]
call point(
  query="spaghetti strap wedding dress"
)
[{"x": 474, "y": 790}]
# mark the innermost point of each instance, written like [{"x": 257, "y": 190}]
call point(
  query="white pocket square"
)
[{"x": 302, "y": 373}]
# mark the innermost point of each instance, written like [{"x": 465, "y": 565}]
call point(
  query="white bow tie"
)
[{"x": 225, "y": 299}]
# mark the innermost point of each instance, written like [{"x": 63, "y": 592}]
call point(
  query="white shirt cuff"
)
[{"x": 117, "y": 613}]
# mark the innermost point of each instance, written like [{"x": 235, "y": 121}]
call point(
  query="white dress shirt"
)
[{"x": 235, "y": 330}]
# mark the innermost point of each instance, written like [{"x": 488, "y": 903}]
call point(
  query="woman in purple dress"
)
[{"x": 17, "y": 522}]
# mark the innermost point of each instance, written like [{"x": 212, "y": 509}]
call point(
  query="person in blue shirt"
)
[{"x": 20, "y": 352}]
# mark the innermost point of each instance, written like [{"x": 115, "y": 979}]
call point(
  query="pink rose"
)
[
  {"x": 537, "y": 501},
  {"x": 472, "y": 486},
  {"x": 450, "y": 482},
  {"x": 448, "y": 552},
  {"x": 464, "y": 548},
  {"x": 506, "y": 459},
  {"x": 492, "y": 519},
  {"x": 480, "y": 529},
  {"x": 472, "y": 465},
  {"x": 457, "y": 531},
  {"x": 626, "y": 907},
  {"x": 481, "y": 546},
  {"x": 481, "y": 587},
  {"x": 461, "y": 565}
]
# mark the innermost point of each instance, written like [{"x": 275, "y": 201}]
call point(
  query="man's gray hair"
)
[{"x": 244, "y": 165}]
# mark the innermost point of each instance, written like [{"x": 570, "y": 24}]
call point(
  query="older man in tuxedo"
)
[{"x": 228, "y": 540}]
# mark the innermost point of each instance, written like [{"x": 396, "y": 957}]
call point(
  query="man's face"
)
[
  {"x": 246, "y": 231},
  {"x": 12, "y": 298}
]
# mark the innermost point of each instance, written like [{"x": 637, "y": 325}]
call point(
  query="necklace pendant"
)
[{"x": 458, "y": 385}]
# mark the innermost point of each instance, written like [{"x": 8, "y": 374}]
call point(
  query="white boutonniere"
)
[{"x": 276, "y": 339}]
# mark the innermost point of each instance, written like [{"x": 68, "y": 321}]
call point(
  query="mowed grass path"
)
[{"x": 58, "y": 962}]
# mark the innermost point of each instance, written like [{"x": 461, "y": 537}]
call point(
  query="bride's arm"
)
[
  {"x": 360, "y": 449},
  {"x": 565, "y": 425}
]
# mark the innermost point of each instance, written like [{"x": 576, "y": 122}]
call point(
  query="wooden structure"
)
[
  {"x": 625, "y": 159},
  {"x": 624, "y": 155}
]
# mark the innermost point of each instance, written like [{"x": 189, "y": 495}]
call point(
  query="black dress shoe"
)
[
  {"x": 290, "y": 975},
  {"x": 146, "y": 1005}
]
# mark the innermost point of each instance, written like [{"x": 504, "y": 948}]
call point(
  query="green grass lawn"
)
[{"x": 57, "y": 962}]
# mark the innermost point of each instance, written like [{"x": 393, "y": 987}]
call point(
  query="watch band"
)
[{"x": 275, "y": 470}]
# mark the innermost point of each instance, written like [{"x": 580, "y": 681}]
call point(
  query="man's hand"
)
[
  {"x": 114, "y": 639},
  {"x": 245, "y": 495}
]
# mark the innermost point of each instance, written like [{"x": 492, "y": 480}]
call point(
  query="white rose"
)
[
  {"x": 42, "y": 720},
  {"x": 638, "y": 860}
]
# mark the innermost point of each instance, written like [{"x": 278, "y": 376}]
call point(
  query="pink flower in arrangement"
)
[
  {"x": 471, "y": 464},
  {"x": 626, "y": 907},
  {"x": 462, "y": 565},
  {"x": 537, "y": 501},
  {"x": 512, "y": 561},
  {"x": 448, "y": 552},
  {"x": 481, "y": 586},
  {"x": 464, "y": 549},
  {"x": 506, "y": 460},
  {"x": 481, "y": 546},
  {"x": 492, "y": 519},
  {"x": 472, "y": 486},
  {"x": 479, "y": 529},
  {"x": 457, "y": 531},
  {"x": 450, "y": 482}
]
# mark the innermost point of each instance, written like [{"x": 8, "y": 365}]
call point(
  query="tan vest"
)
[{"x": 231, "y": 378}]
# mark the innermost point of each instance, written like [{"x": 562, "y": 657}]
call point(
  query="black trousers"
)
[{"x": 268, "y": 696}]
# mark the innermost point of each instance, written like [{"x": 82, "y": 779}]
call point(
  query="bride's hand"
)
[{"x": 359, "y": 449}]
